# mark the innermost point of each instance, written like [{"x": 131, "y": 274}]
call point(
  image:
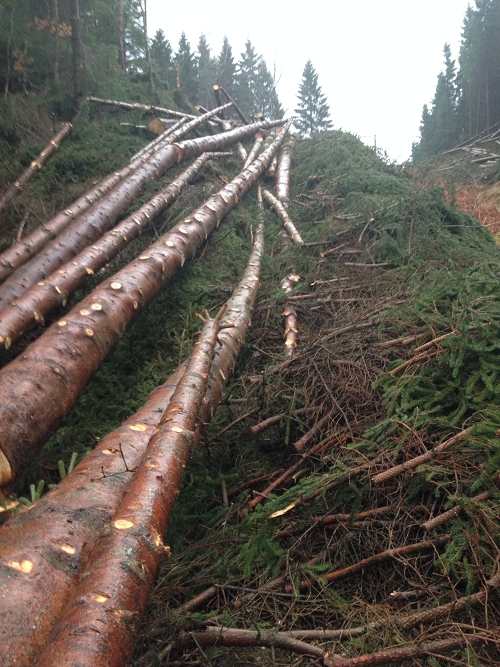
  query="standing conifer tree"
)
[
  {"x": 161, "y": 57},
  {"x": 206, "y": 71},
  {"x": 313, "y": 111},
  {"x": 226, "y": 69},
  {"x": 187, "y": 68}
]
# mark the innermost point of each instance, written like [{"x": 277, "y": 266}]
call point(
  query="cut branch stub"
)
[
  {"x": 34, "y": 396},
  {"x": 41, "y": 299},
  {"x": 35, "y": 166},
  {"x": 282, "y": 212},
  {"x": 133, "y": 541}
]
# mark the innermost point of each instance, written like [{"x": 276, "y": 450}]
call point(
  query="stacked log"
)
[
  {"x": 38, "y": 388},
  {"x": 66, "y": 522}
]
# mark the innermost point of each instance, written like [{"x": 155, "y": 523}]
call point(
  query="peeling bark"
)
[
  {"x": 35, "y": 166},
  {"x": 36, "y": 303},
  {"x": 38, "y": 388}
]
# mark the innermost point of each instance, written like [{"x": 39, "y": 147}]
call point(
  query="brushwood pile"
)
[{"x": 362, "y": 525}]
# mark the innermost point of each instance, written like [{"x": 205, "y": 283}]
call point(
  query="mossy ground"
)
[{"x": 437, "y": 274}]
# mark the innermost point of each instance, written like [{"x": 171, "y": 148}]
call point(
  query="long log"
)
[
  {"x": 103, "y": 214},
  {"x": 289, "y": 226},
  {"x": 44, "y": 548},
  {"x": 133, "y": 541},
  {"x": 73, "y": 514},
  {"x": 24, "y": 250},
  {"x": 35, "y": 166},
  {"x": 136, "y": 106},
  {"x": 38, "y": 301},
  {"x": 254, "y": 151},
  {"x": 283, "y": 174},
  {"x": 38, "y": 388}
]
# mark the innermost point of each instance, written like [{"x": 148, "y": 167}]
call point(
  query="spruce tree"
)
[
  {"x": 185, "y": 60},
  {"x": 313, "y": 111},
  {"x": 161, "y": 58},
  {"x": 206, "y": 72},
  {"x": 266, "y": 97},
  {"x": 226, "y": 68},
  {"x": 246, "y": 80}
]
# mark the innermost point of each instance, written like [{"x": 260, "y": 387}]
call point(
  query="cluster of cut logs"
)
[{"x": 77, "y": 566}]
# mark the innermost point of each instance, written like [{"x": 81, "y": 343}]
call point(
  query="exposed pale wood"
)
[{"x": 289, "y": 226}]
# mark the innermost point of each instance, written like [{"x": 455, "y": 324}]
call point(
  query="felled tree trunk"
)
[
  {"x": 282, "y": 212},
  {"x": 254, "y": 151},
  {"x": 283, "y": 173},
  {"x": 35, "y": 166},
  {"x": 38, "y": 388},
  {"x": 73, "y": 514},
  {"x": 135, "y": 106},
  {"x": 23, "y": 251},
  {"x": 240, "y": 113},
  {"x": 37, "y": 302},
  {"x": 103, "y": 214}
]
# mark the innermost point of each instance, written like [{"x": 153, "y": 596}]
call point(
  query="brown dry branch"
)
[
  {"x": 24, "y": 250},
  {"x": 341, "y": 518},
  {"x": 413, "y": 651},
  {"x": 313, "y": 432},
  {"x": 41, "y": 386},
  {"x": 419, "y": 460},
  {"x": 34, "y": 167},
  {"x": 431, "y": 343},
  {"x": 133, "y": 541},
  {"x": 231, "y": 637},
  {"x": 424, "y": 356},
  {"x": 289, "y": 226},
  {"x": 404, "y": 340},
  {"x": 272, "y": 421},
  {"x": 443, "y": 518},
  {"x": 405, "y": 550},
  {"x": 103, "y": 214},
  {"x": 36, "y": 303}
]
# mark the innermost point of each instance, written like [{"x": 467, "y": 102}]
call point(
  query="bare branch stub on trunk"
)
[
  {"x": 35, "y": 166},
  {"x": 40, "y": 387}
]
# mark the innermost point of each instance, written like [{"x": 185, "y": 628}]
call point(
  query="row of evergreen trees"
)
[
  {"x": 467, "y": 98},
  {"x": 71, "y": 45}
]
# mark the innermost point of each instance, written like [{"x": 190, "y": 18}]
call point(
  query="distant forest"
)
[
  {"x": 68, "y": 46},
  {"x": 467, "y": 98}
]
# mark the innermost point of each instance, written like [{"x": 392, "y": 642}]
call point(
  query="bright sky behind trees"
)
[{"x": 377, "y": 60}]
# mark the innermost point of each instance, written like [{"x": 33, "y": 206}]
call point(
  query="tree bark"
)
[
  {"x": 56, "y": 41},
  {"x": 23, "y": 251},
  {"x": 73, "y": 514},
  {"x": 104, "y": 213},
  {"x": 35, "y": 166},
  {"x": 282, "y": 212},
  {"x": 254, "y": 151},
  {"x": 128, "y": 106},
  {"x": 36, "y": 303},
  {"x": 77, "y": 45},
  {"x": 40, "y": 387},
  {"x": 144, "y": 12},
  {"x": 283, "y": 173}
]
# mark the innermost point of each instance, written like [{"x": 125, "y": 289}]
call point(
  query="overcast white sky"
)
[{"x": 377, "y": 60}]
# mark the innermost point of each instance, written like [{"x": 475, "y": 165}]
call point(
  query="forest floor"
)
[{"x": 397, "y": 359}]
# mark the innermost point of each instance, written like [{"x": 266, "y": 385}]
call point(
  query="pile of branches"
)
[{"x": 362, "y": 525}]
